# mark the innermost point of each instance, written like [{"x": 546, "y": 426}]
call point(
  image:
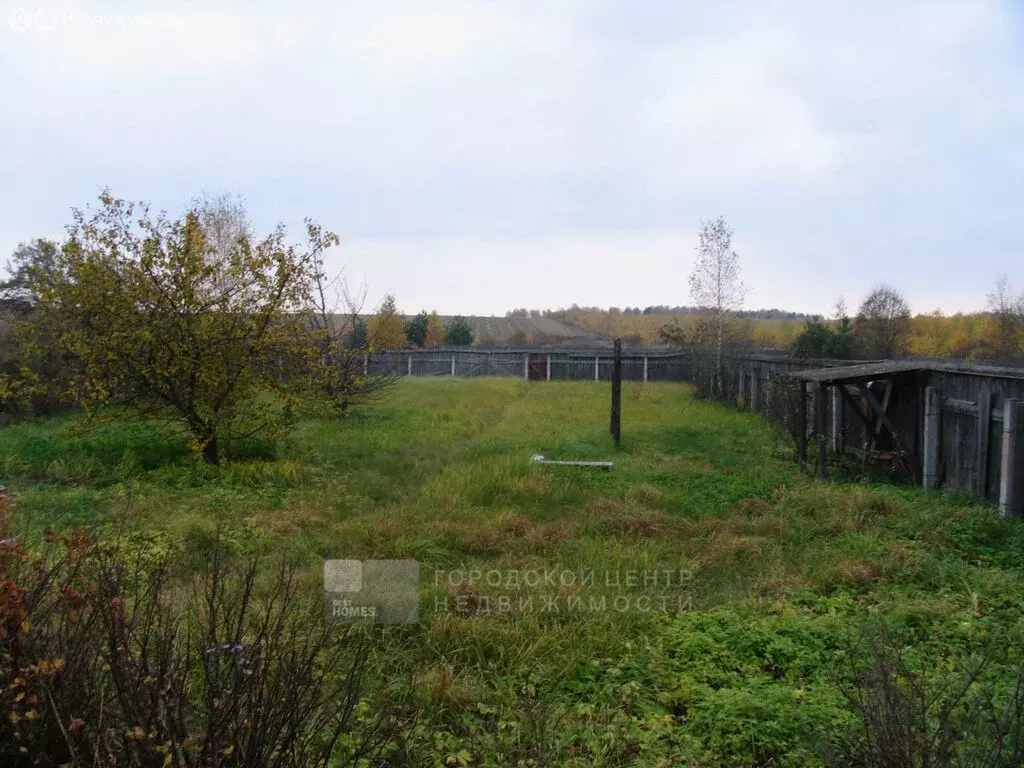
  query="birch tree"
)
[
  {"x": 715, "y": 285},
  {"x": 1007, "y": 310}
]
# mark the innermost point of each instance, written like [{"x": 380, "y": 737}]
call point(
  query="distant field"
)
[
  {"x": 501, "y": 330},
  {"x": 783, "y": 573}
]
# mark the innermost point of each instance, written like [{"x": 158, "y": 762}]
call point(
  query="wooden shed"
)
[{"x": 948, "y": 425}]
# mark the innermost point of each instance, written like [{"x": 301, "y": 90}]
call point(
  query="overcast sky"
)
[{"x": 481, "y": 155}]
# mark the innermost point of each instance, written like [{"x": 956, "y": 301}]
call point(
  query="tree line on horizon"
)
[
  {"x": 882, "y": 327},
  {"x": 994, "y": 334},
  {"x": 655, "y": 309}
]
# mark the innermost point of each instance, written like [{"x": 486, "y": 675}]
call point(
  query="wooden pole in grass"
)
[
  {"x": 801, "y": 426},
  {"x": 617, "y": 393},
  {"x": 821, "y": 416}
]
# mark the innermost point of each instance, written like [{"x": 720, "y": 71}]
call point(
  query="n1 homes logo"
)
[{"x": 373, "y": 591}]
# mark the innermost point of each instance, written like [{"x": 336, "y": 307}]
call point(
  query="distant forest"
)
[
  {"x": 657, "y": 310},
  {"x": 995, "y": 335}
]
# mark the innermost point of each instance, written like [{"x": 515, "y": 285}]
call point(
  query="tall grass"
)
[{"x": 441, "y": 473}]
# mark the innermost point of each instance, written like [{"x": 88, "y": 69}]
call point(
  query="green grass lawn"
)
[{"x": 783, "y": 574}]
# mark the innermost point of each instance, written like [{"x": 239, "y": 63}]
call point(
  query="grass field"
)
[{"x": 779, "y": 577}]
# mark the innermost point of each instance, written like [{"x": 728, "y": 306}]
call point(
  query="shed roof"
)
[{"x": 880, "y": 369}]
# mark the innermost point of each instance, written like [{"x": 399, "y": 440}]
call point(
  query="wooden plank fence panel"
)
[
  {"x": 958, "y": 448},
  {"x": 932, "y": 443},
  {"x": 984, "y": 428}
]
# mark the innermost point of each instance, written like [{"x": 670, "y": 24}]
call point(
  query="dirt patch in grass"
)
[
  {"x": 771, "y": 525},
  {"x": 686, "y": 464},
  {"x": 644, "y": 494},
  {"x": 546, "y": 534},
  {"x": 293, "y": 521},
  {"x": 513, "y": 524},
  {"x": 647, "y": 525},
  {"x": 618, "y": 517},
  {"x": 860, "y": 571},
  {"x": 752, "y": 508}
]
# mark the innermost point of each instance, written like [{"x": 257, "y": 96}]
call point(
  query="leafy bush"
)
[
  {"x": 105, "y": 659},
  {"x": 914, "y": 715},
  {"x": 755, "y": 690}
]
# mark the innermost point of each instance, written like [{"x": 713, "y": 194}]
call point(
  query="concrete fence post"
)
[
  {"x": 526, "y": 366},
  {"x": 409, "y": 373},
  {"x": 453, "y": 365},
  {"x": 366, "y": 365},
  {"x": 597, "y": 369},
  {"x": 548, "y": 372},
  {"x": 645, "y": 369},
  {"x": 1011, "y": 490}
]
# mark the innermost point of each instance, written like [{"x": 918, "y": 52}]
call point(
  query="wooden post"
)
[
  {"x": 742, "y": 381},
  {"x": 1011, "y": 491},
  {"x": 822, "y": 426},
  {"x": 753, "y": 388},
  {"x": 984, "y": 430},
  {"x": 549, "y": 367},
  {"x": 932, "y": 445},
  {"x": 597, "y": 369},
  {"x": 836, "y": 422},
  {"x": 801, "y": 425},
  {"x": 645, "y": 369},
  {"x": 616, "y": 428},
  {"x": 453, "y": 364}
]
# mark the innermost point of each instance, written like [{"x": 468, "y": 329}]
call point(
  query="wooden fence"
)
[
  {"x": 550, "y": 365},
  {"x": 963, "y": 426}
]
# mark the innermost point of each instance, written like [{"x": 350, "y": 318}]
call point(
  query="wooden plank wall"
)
[{"x": 970, "y": 440}]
